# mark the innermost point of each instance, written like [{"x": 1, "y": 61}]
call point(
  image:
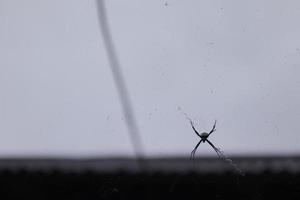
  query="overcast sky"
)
[{"x": 234, "y": 61}]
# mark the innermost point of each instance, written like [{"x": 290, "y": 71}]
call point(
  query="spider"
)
[{"x": 204, "y": 139}]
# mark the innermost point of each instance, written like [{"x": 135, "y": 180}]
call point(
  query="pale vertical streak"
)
[{"x": 119, "y": 81}]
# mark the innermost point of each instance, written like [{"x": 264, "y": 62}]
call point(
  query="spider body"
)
[{"x": 204, "y": 138}]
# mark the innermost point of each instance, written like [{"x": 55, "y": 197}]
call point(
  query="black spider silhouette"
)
[{"x": 203, "y": 139}]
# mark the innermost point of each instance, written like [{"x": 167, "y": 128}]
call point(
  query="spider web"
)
[
  {"x": 219, "y": 152},
  {"x": 229, "y": 161}
]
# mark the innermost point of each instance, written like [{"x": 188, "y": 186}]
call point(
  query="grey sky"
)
[{"x": 234, "y": 61}]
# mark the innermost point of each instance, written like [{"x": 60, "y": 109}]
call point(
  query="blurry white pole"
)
[{"x": 120, "y": 82}]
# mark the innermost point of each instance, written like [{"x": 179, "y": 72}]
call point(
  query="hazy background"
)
[{"x": 234, "y": 61}]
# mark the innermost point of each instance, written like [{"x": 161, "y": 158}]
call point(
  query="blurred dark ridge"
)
[
  {"x": 165, "y": 178},
  {"x": 163, "y": 165}
]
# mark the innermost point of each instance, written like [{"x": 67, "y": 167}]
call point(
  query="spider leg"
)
[
  {"x": 214, "y": 128},
  {"x": 194, "y": 150},
  {"x": 215, "y": 148},
  {"x": 194, "y": 128}
]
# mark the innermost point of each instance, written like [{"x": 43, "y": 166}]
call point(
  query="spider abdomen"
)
[{"x": 204, "y": 136}]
